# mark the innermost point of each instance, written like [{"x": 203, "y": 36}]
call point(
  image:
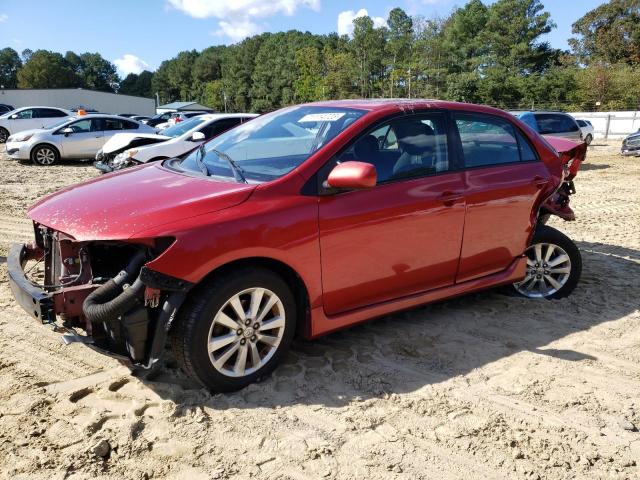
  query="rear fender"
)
[{"x": 571, "y": 155}]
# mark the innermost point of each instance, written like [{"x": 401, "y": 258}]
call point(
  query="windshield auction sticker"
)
[{"x": 322, "y": 117}]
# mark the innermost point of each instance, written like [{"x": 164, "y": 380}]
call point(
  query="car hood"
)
[
  {"x": 120, "y": 141},
  {"x": 33, "y": 131},
  {"x": 122, "y": 204}
]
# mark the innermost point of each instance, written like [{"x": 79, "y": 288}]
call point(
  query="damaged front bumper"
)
[
  {"x": 136, "y": 338},
  {"x": 34, "y": 300}
]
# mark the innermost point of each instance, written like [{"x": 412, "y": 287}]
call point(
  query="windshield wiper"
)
[
  {"x": 200, "y": 161},
  {"x": 238, "y": 172}
]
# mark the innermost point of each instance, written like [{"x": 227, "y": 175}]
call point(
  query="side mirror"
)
[
  {"x": 197, "y": 136},
  {"x": 14, "y": 116},
  {"x": 353, "y": 176},
  {"x": 67, "y": 131}
]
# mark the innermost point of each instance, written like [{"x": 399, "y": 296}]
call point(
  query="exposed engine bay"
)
[{"x": 104, "y": 290}]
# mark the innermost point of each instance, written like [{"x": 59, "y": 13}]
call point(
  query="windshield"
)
[
  {"x": 272, "y": 145},
  {"x": 182, "y": 127}
]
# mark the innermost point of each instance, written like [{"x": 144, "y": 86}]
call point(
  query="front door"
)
[
  {"x": 85, "y": 141},
  {"x": 23, "y": 120},
  {"x": 402, "y": 236}
]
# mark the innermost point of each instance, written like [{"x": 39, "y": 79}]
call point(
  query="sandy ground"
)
[{"x": 487, "y": 386}]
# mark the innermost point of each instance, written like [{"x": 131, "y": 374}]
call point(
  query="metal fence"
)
[{"x": 611, "y": 125}]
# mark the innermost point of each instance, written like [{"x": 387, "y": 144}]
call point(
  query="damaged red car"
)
[{"x": 303, "y": 221}]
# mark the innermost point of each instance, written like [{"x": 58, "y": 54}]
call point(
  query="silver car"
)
[
  {"x": 556, "y": 124},
  {"x": 78, "y": 138}
]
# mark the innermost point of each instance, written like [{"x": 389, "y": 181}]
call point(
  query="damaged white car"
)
[{"x": 129, "y": 149}]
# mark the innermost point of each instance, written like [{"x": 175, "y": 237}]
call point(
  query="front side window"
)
[
  {"x": 25, "y": 114},
  {"x": 487, "y": 140},
  {"x": 405, "y": 147},
  {"x": 216, "y": 128},
  {"x": 271, "y": 145},
  {"x": 81, "y": 126}
]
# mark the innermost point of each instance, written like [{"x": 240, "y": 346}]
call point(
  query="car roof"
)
[
  {"x": 43, "y": 106},
  {"x": 220, "y": 116},
  {"x": 404, "y": 104},
  {"x": 102, "y": 115}
]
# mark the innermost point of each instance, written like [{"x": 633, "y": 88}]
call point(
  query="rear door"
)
[
  {"x": 48, "y": 116},
  {"x": 503, "y": 179},
  {"x": 111, "y": 126}
]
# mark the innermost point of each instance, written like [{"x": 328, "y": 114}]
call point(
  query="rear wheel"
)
[
  {"x": 554, "y": 265},
  {"x": 45, "y": 155},
  {"x": 235, "y": 329},
  {"x": 4, "y": 134}
]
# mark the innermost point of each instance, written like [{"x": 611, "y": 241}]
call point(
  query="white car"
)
[
  {"x": 78, "y": 137},
  {"x": 127, "y": 149},
  {"x": 28, "y": 118},
  {"x": 587, "y": 130}
]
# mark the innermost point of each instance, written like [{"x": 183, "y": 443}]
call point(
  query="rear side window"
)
[
  {"x": 111, "y": 124},
  {"x": 549, "y": 123},
  {"x": 486, "y": 140},
  {"x": 49, "y": 113}
]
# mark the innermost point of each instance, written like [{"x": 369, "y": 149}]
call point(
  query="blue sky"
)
[{"x": 141, "y": 33}]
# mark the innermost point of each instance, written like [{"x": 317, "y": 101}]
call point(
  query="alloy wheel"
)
[
  {"x": 548, "y": 270},
  {"x": 246, "y": 332},
  {"x": 45, "y": 156}
]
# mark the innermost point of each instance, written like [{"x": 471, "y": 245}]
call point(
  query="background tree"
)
[
  {"x": 45, "y": 69},
  {"x": 609, "y": 33},
  {"x": 140, "y": 85},
  {"x": 10, "y": 63}
]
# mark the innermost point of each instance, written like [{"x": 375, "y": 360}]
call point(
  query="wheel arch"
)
[
  {"x": 44, "y": 144},
  {"x": 286, "y": 272}
]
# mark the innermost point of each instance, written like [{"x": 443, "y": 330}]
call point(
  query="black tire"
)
[
  {"x": 45, "y": 155},
  {"x": 4, "y": 134},
  {"x": 196, "y": 322},
  {"x": 588, "y": 139},
  {"x": 541, "y": 273}
]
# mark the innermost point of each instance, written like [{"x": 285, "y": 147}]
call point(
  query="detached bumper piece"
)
[
  {"x": 34, "y": 300},
  {"x": 103, "y": 167}
]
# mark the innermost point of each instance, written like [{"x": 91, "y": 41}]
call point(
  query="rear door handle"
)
[{"x": 449, "y": 198}]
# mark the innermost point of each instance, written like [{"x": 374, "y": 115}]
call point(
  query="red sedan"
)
[{"x": 303, "y": 221}]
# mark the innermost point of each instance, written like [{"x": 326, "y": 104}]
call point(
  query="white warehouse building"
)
[{"x": 103, "y": 102}]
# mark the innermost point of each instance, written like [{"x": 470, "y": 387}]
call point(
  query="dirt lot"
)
[{"x": 487, "y": 386}]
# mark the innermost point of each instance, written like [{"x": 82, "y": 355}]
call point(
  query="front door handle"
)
[
  {"x": 539, "y": 181},
  {"x": 449, "y": 198}
]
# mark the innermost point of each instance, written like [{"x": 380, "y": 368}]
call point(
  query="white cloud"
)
[
  {"x": 236, "y": 16},
  {"x": 346, "y": 18},
  {"x": 236, "y": 31},
  {"x": 130, "y": 64},
  {"x": 3, "y": 17}
]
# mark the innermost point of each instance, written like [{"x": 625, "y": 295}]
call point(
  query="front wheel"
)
[
  {"x": 554, "y": 265},
  {"x": 44, "y": 155},
  {"x": 235, "y": 329},
  {"x": 4, "y": 134},
  {"x": 588, "y": 139}
]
